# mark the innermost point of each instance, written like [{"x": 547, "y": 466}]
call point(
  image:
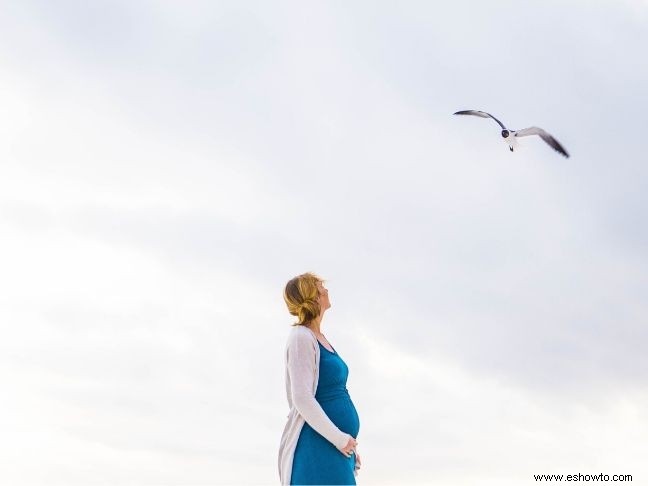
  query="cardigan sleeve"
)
[{"x": 301, "y": 369}]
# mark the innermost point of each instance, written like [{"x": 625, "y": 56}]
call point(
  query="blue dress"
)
[{"x": 316, "y": 460}]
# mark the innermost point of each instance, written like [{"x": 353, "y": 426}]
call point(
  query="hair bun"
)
[{"x": 308, "y": 310}]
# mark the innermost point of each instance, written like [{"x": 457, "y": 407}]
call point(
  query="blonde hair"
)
[{"x": 301, "y": 295}]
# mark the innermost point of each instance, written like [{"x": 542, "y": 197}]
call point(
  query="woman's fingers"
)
[{"x": 350, "y": 447}]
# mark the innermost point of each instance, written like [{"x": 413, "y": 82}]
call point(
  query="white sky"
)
[{"x": 165, "y": 168}]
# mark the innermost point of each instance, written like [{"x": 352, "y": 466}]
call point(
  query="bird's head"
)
[{"x": 505, "y": 133}]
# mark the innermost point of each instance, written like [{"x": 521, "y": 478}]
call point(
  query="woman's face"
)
[{"x": 323, "y": 297}]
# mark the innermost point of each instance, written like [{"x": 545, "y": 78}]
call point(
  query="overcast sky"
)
[{"x": 166, "y": 167}]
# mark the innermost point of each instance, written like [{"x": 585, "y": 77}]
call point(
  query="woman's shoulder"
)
[{"x": 301, "y": 334}]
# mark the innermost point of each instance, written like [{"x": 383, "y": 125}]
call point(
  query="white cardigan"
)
[{"x": 302, "y": 358}]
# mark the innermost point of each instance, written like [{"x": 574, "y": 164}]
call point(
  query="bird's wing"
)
[
  {"x": 481, "y": 114},
  {"x": 553, "y": 143}
]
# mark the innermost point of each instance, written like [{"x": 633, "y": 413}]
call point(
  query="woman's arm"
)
[{"x": 301, "y": 369}]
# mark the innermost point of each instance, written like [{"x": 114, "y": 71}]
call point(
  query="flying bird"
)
[{"x": 510, "y": 136}]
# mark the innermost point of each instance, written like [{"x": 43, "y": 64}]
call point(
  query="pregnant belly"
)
[{"x": 343, "y": 414}]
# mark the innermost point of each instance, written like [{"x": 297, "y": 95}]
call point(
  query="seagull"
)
[{"x": 510, "y": 136}]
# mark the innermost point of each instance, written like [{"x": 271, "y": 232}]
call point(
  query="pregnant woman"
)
[{"x": 318, "y": 444}]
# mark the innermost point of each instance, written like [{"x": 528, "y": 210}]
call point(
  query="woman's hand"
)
[
  {"x": 349, "y": 447},
  {"x": 358, "y": 462}
]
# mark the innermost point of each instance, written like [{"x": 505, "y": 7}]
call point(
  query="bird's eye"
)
[{"x": 505, "y": 133}]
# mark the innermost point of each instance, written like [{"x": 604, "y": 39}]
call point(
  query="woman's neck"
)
[{"x": 315, "y": 327}]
